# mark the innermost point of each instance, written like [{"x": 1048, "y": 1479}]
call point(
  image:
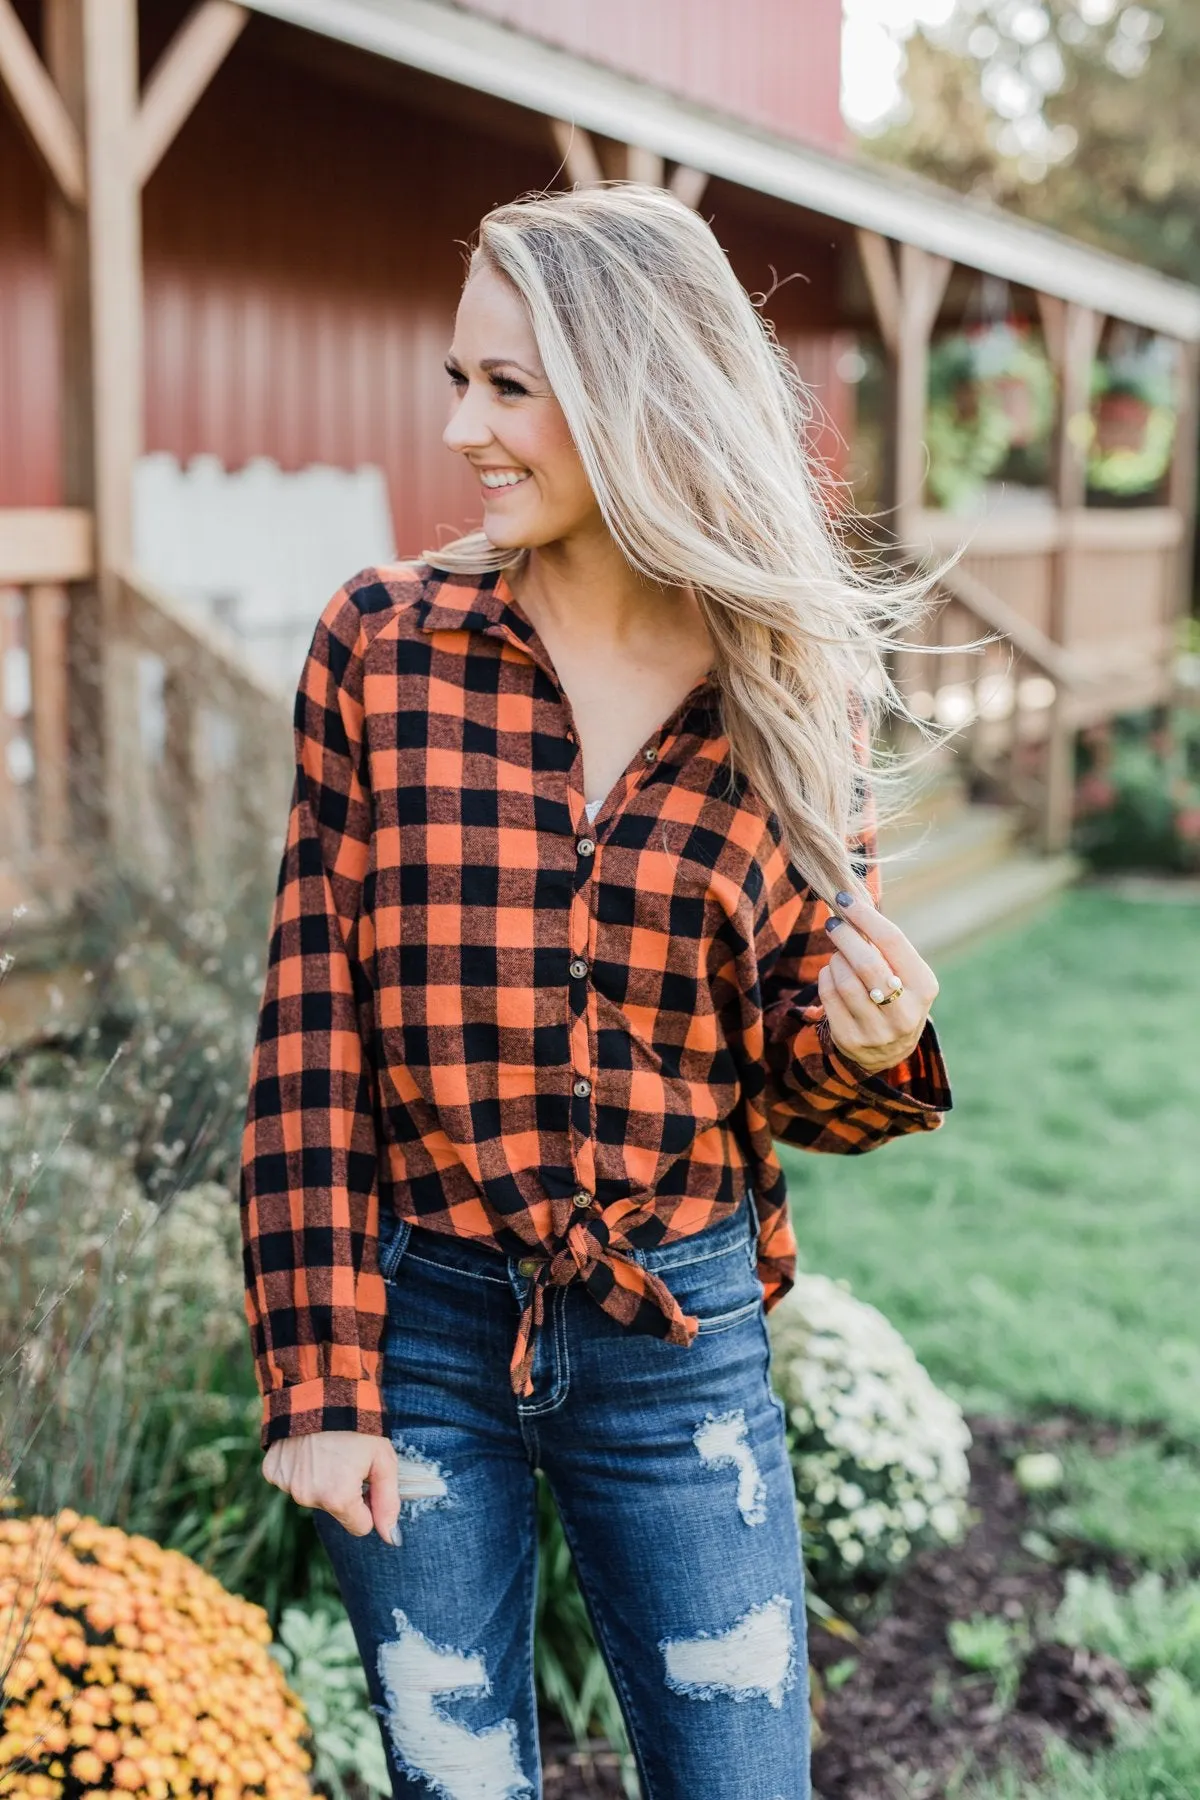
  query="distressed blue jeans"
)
[{"x": 669, "y": 1469}]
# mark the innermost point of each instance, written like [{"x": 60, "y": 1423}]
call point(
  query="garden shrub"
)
[
  {"x": 318, "y": 1654},
  {"x": 135, "y": 1672},
  {"x": 1140, "y": 1501},
  {"x": 879, "y": 1452},
  {"x": 1137, "y": 800},
  {"x": 1149, "y": 1627}
]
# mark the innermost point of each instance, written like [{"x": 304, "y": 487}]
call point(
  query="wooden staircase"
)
[{"x": 963, "y": 869}]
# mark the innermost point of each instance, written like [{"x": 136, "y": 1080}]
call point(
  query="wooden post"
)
[
  {"x": 1181, "y": 484},
  {"x": 14, "y": 816},
  {"x": 86, "y": 102},
  {"x": 906, "y": 303},
  {"x": 1072, "y": 334},
  {"x": 688, "y": 184},
  {"x": 577, "y": 153},
  {"x": 63, "y": 35},
  {"x": 923, "y": 279},
  {"x": 883, "y": 286},
  {"x": 47, "y": 628},
  {"x": 644, "y": 165}
]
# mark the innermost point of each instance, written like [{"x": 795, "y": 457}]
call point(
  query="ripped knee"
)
[
  {"x": 754, "y": 1659},
  {"x": 456, "y": 1762}
]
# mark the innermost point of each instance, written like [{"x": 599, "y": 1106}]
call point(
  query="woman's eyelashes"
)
[{"x": 504, "y": 384}]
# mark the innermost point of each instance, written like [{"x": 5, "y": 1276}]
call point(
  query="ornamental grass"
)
[{"x": 135, "y": 1673}]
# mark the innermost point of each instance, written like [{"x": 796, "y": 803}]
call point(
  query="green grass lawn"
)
[
  {"x": 1042, "y": 1252},
  {"x": 1042, "y": 1249}
]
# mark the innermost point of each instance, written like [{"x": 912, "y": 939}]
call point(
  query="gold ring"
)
[{"x": 882, "y": 999}]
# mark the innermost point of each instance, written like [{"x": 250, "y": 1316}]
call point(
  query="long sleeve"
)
[
  {"x": 314, "y": 1299},
  {"x": 816, "y": 1096}
]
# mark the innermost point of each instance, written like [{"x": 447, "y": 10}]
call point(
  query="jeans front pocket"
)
[{"x": 720, "y": 1288}]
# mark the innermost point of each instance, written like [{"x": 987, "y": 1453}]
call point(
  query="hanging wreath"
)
[
  {"x": 1133, "y": 420},
  {"x": 991, "y": 392}
]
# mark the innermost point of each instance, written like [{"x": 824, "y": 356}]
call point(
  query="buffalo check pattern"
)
[{"x": 569, "y": 1040}]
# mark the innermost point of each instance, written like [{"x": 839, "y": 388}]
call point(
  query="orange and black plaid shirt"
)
[{"x": 559, "y": 1038}]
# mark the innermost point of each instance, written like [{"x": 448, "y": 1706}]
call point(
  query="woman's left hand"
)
[{"x": 873, "y": 953}]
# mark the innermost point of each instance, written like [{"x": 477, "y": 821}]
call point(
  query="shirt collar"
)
[
  {"x": 472, "y": 603},
  {"x": 485, "y": 602}
]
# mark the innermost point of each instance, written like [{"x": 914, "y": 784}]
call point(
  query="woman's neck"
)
[{"x": 588, "y": 588}]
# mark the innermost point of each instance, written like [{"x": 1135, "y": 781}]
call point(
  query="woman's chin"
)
[{"x": 508, "y": 532}]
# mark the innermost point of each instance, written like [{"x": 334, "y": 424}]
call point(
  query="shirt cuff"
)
[
  {"x": 333, "y": 1404},
  {"x": 920, "y": 1084}
]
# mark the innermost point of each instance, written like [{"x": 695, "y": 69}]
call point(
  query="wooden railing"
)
[
  {"x": 177, "y": 782},
  {"x": 197, "y": 751},
  {"x": 42, "y": 550},
  {"x": 1004, "y": 702},
  {"x": 1083, "y": 604},
  {"x": 203, "y": 762}
]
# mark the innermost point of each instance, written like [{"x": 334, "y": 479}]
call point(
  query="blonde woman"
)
[{"x": 575, "y": 919}]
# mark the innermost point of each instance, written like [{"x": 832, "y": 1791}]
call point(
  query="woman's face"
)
[{"x": 509, "y": 426}]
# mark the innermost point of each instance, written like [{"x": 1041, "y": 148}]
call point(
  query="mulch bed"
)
[{"x": 910, "y": 1718}]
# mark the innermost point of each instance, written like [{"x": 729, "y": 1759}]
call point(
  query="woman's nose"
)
[{"x": 467, "y": 427}]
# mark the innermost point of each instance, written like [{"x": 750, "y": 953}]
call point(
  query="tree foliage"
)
[{"x": 1081, "y": 114}]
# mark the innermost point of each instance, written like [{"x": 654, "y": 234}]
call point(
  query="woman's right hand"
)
[{"x": 331, "y": 1469}]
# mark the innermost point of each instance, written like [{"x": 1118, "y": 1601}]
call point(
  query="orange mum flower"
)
[{"x": 138, "y": 1674}]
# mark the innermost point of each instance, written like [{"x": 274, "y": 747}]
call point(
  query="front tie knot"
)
[
  {"x": 597, "y": 1253},
  {"x": 587, "y": 1241}
]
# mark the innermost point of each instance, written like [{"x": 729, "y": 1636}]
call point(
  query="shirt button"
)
[
  {"x": 571, "y": 737},
  {"x": 651, "y": 755},
  {"x": 582, "y": 1199},
  {"x": 585, "y": 846},
  {"x": 528, "y": 1265},
  {"x": 583, "y": 1085},
  {"x": 579, "y": 968}
]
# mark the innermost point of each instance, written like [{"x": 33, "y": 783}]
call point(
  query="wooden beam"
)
[
  {"x": 1072, "y": 337},
  {"x": 688, "y": 184},
  {"x": 1181, "y": 483},
  {"x": 1078, "y": 343},
  {"x": 1053, "y": 314},
  {"x": 923, "y": 279},
  {"x": 180, "y": 76},
  {"x": 883, "y": 285},
  {"x": 91, "y": 51},
  {"x": 577, "y": 153},
  {"x": 14, "y": 808},
  {"x": 47, "y": 626},
  {"x": 45, "y": 543},
  {"x": 115, "y": 242},
  {"x": 39, "y": 109},
  {"x": 644, "y": 165}
]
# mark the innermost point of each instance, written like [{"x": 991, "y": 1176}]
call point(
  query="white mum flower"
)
[{"x": 874, "y": 1441}]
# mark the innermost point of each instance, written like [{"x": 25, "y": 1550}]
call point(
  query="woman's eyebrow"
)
[
  {"x": 489, "y": 363},
  {"x": 508, "y": 362}
]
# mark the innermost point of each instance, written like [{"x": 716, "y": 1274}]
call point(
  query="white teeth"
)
[{"x": 501, "y": 480}]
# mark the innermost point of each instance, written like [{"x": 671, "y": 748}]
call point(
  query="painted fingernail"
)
[
  {"x": 844, "y": 899},
  {"x": 832, "y": 924}
]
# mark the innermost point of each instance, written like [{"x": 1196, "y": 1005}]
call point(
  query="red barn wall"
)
[
  {"x": 773, "y": 62},
  {"x": 300, "y": 287}
]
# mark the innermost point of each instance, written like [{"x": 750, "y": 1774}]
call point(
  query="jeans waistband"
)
[{"x": 487, "y": 1261}]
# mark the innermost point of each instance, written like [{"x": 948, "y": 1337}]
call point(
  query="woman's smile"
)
[{"x": 494, "y": 481}]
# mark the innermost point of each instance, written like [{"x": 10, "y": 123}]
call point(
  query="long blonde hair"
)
[{"x": 691, "y": 423}]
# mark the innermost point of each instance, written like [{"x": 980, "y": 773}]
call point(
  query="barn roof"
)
[{"x": 459, "y": 46}]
